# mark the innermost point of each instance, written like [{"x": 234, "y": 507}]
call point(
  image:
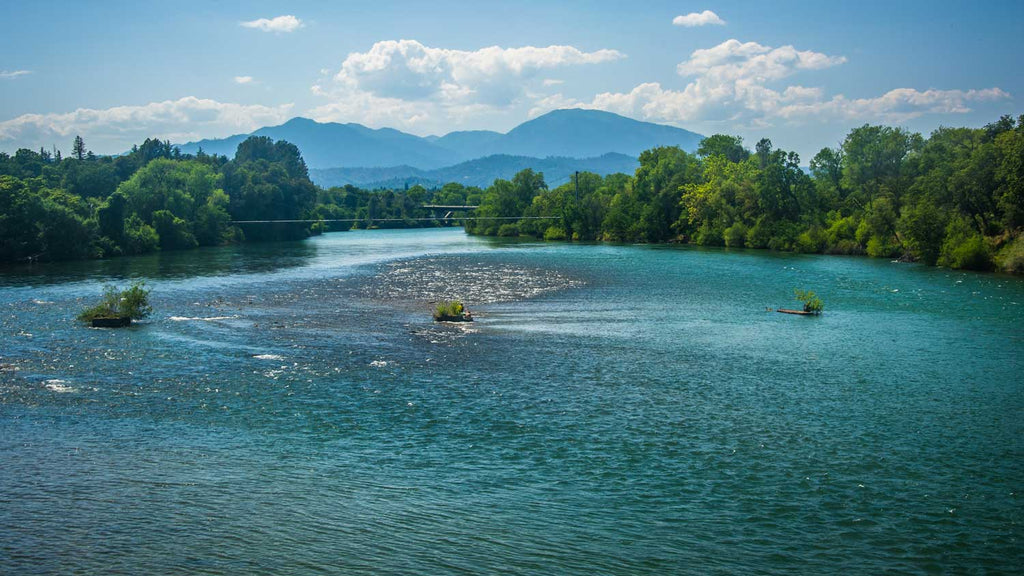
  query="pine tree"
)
[{"x": 78, "y": 149}]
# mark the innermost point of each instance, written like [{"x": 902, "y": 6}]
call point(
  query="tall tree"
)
[{"x": 78, "y": 148}]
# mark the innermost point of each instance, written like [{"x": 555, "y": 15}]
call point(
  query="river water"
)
[{"x": 290, "y": 408}]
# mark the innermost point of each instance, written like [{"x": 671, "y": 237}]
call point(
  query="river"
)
[{"x": 291, "y": 408}]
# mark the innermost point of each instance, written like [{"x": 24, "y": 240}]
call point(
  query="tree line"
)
[
  {"x": 954, "y": 199},
  {"x": 156, "y": 198}
]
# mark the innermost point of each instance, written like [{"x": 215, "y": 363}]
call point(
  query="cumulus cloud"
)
[
  {"x": 733, "y": 61},
  {"x": 280, "y": 24},
  {"x": 728, "y": 81},
  {"x": 114, "y": 130},
  {"x": 407, "y": 82},
  {"x": 409, "y": 70},
  {"x": 243, "y": 79},
  {"x": 5, "y": 75},
  {"x": 740, "y": 82},
  {"x": 698, "y": 19}
]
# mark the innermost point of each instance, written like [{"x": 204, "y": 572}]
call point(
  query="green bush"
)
[
  {"x": 735, "y": 236},
  {"x": 508, "y": 230},
  {"x": 848, "y": 247},
  {"x": 841, "y": 229},
  {"x": 133, "y": 303},
  {"x": 708, "y": 235},
  {"x": 812, "y": 241},
  {"x": 1011, "y": 257},
  {"x": 555, "y": 233},
  {"x": 173, "y": 232},
  {"x": 759, "y": 235},
  {"x": 882, "y": 247},
  {"x": 812, "y": 303},
  {"x": 784, "y": 236},
  {"x": 448, "y": 309},
  {"x": 139, "y": 237},
  {"x": 964, "y": 247}
]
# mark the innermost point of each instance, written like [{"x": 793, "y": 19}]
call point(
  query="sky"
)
[{"x": 802, "y": 73}]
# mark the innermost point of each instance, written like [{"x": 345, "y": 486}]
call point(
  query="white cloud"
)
[
  {"x": 894, "y": 106},
  {"x": 733, "y": 60},
  {"x": 409, "y": 70},
  {"x": 552, "y": 102},
  {"x": 740, "y": 83},
  {"x": 365, "y": 108},
  {"x": 410, "y": 84},
  {"x": 287, "y": 23},
  {"x": 728, "y": 81},
  {"x": 5, "y": 75},
  {"x": 553, "y": 82},
  {"x": 243, "y": 79},
  {"x": 698, "y": 19},
  {"x": 114, "y": 130}
]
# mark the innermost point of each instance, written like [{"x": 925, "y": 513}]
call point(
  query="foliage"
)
[
  {"x": 555, "y": 233},
  {"x": 132, "y": 303},
  {"x": 728, "y": 147},
  {"x": 448, "y": 309},
  {"x": 508, "y": 230},
  {"x": 269, "y": 181},
  {"x": 951, "y": 199},
  {"x": 955, "y": 199},
  {"x": 1011, "y": 257},
  {"x": 153, "y": 198},
  {"x": 735, "y": 236},
  {"x": 811, "y": 302},
  {"x": 964, "y": 247}
]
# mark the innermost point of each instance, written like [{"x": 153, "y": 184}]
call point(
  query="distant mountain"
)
[
  {"x": 562, "y": 133},
  {"x": 586, "y": 133},
  {"x": 471, "y": 143},
  {"x": 479, "y": 172},
  {"x": 331, "y": 144}
]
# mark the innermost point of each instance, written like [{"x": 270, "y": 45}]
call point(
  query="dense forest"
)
[
  {"x": 155, "y": 198},
  {"x": 955, "y": 199}
]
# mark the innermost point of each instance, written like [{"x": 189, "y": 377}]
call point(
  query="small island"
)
[
  {"x": 451, "y": 311},
  {"x": 118, "y": 307},
  {"x": 812, "y": 304}
]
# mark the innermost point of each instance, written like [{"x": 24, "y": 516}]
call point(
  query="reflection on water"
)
[
  {"x": 292, "y": 408},
  {"x": 252, "y": 258}
]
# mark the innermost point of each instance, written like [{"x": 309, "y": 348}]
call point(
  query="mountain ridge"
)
[
  {"x": 477, "y": 172},
  {"x": 567, "y": 133}
]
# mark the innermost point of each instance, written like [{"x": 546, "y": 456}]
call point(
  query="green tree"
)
[
  {"x": 923, "y": 227},
  {"x": 730, "y": 147},
  {"x": 873, "y": 163},
  {"x": 78, "y": 148},
  {"x": 269, "y": 181}
]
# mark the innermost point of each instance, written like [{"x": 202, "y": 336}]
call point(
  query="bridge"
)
[
  {"x": 448, "y": 217},
  {"x": 449, "y": 209}
]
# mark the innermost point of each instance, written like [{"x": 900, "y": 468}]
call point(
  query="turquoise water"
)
[{"x": 290, "y": 408}]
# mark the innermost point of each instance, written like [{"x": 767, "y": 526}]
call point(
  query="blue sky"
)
[{"x": 800, "y": 73}]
